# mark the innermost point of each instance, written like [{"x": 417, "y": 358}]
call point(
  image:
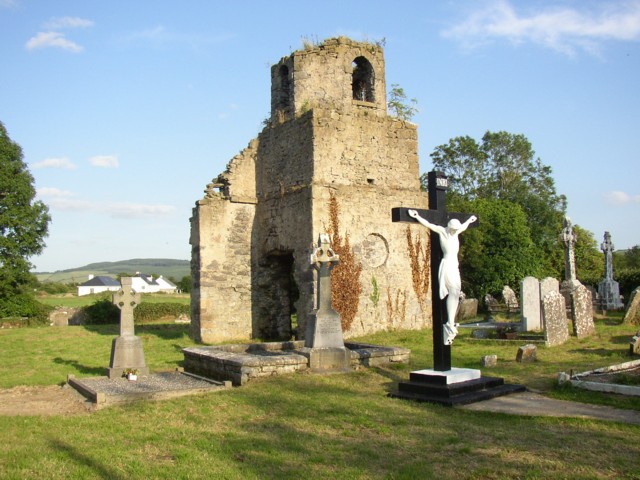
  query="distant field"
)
[{"x": 149, "y": 266}]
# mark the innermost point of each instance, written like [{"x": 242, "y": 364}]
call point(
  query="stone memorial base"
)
[
  {"x": 458, "y": 386},
  {"x": 126, "y": 352},
  {"x": 242, "y": 363},
  {"x": 327, "y": 359}
]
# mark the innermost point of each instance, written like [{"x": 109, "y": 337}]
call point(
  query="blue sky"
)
[{"x": 126, "y": 110}]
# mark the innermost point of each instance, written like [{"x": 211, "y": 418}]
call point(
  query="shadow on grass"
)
[
  {"x": 79, "y": 367},
  {"x": 98, "y": 468}
]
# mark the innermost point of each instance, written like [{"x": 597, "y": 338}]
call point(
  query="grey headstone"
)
[
  {"x": 468, "y": 308},
  {"x": 510, "y": 299},
  {"x": 632, "y": 316},
  {"x": 489, "y": 360},
  {"x": 530, "y": 298},
  {"x": 527, "y": 353},
  {"x": 582, "y": 312},
  {"x": 554, "y": 313}
]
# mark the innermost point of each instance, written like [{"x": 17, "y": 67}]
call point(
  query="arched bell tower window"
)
[
  {"x": 283, "y": 93},
  {"x": 363, "y": 80}
]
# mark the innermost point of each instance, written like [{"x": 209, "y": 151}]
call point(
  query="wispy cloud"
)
[
  {"x": 44, "y": 192},
  {"x": 61, "y": 23},
  {"x": 620, "y": 198},
  {"x": 63, "y": 163},
  {"x": 565, "y": 30},
  {"x": 160, "y": 36},
  {"x": 52, "y": 40},
  {"x": 137, "y": 210},
  {"x": 105, "y": 161},
  {"x": 116, "y": 210}
]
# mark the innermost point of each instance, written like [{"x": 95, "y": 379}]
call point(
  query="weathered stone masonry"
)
[{"x": 252, "y": 233}]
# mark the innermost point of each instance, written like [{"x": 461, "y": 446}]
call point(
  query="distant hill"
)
[{"x": 150, "y": 266}]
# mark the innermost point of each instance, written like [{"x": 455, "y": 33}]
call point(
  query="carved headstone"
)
[
  {"x": 530, "y": 298},
  {"x": 126, "y": 350},
  {"x": 510, "y": 299},
  {"x": 632, "y": 316},
  {"x": 570, "y": 282},
  {"x": 582, "y": 312},
  {"x": 609, "y": 289},
  {"x": 324, "y": 342},
  {"x": 554, "y": 313}
]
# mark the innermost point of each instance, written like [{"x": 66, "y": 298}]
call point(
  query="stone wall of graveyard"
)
[{"x": 254, "y": 230}]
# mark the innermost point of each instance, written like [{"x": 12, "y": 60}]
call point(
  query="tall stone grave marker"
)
[
  {"x": 568, "y": 238},
  {"x": 582, "y": 312},
  {"x": 530, "y": 300},
  {"x": 126, "y": 350},
  {"x": 324, "y": 342},
  {"x": 554, "y": 312},
  {"x": 609, "y": 289},
  {"x": 632, "y": 316}
]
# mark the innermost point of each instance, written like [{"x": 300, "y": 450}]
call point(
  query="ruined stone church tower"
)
[{"x": 251, "y": 235}]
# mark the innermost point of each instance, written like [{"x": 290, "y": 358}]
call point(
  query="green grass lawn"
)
[{"x": 311, "y": 426}]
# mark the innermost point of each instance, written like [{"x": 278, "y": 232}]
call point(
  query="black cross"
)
[{"x": 437, "y": 214}]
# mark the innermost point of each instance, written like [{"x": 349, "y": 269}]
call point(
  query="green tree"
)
[
  {"x": 589, "y": 259},
  {"x": 184, "y": 285},
  {"x": 503, "y": 166},
  {"x": 24, "y": 223},
  {"x": 399, "y": 105},
  {"x": 499, "y": 251}
]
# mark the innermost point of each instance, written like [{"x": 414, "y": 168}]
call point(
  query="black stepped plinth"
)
[{"x": 424, "y": 389}]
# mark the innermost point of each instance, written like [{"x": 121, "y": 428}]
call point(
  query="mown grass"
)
[{"x": 313, "y": 426}]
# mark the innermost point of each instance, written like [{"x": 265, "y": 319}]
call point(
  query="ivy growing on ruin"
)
[
  {"x": 420, "y": 265},
  {"x": 345, "y": 277}
]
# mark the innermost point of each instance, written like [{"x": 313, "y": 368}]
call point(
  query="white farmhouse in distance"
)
[
  {"x": 147, "y": 284},
  {"x": 98, "y": 284}
]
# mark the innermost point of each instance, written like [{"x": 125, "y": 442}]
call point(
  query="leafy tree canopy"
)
[
  {"x": 589, "y": 260},
  {"x": 504, "y": 167},
  {"x": 499, "y": 251},
  {"x": 24, "y": 222}
]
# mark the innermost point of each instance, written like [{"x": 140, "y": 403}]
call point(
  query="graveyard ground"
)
[{"x": 318, "y": 426}]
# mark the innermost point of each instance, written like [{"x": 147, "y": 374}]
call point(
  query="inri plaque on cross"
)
[{"x": 440, "y": 222}]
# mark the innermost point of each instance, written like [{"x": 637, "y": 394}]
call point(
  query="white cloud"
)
[
  {"x": 115, "y": 210},
  {"x": 53, "y": 40},
  {"x": 620, "y": 198},
  {"x": 63, "y": 163},
  {"x": 137, "y": 210},
  {"x": 60, "y": 23},
  {"x": 562, "y": 29},
  {"x": 53, "y": 192},
  {"x": 104, "y": 161}
]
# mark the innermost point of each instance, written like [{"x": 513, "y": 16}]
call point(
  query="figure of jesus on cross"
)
[
  {"x": 450, "y": 285},
  {"x": 445, "y": 228}
]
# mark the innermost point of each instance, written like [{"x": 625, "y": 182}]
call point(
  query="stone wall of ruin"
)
[{"x": 259, "y": 221}]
